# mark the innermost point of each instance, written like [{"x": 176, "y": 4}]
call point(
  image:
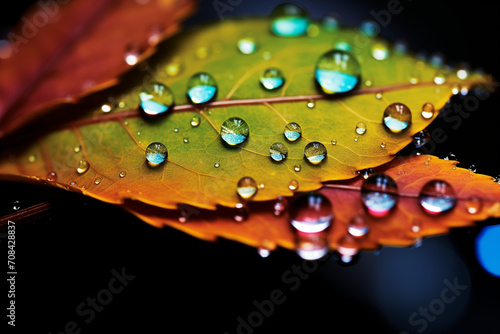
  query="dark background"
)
[{"x": 186, "y": 285}]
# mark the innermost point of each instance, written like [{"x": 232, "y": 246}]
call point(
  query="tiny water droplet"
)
[
  {"x": 31, "y": 158},
  {"x": 155, "y": 32},
  {"x": 439, "y": 78},
  {"x": 155, "y": 99},
  {"x": 201, "y": 88},
  {"x": 380, "y": 50},
  {"x": 337, "y": 71},
  {"x": 369, "y": 28},
  {"x": 132, "y": 53},
  {"x": 289, "y": 20},
  {"x": 217, "y": 165},
  {"x": 156, "y": 153},
  {"x": 263, "y": 252},
  {"x": 427, "y": 111},
  {"x": 401, "y": 47},
  {"x": 361, "y": 128},
  {"x": 334, "y": 141},
  {"x": 138, "y": 133},
  {"x": 195, "y": 121},
  {"x": 331, "y": 22},
  {"x": 462, "y": 74},
  {"x": 343, "y": 46},
  {"x": 356, "y": 138},
  {"x": 77, "y": 148},
  {"x": 365, "y": 173},
  {"x": 292, "y": 131},
  {"x": 426, "y": 163},
  {"x": 368, "y": 82},
  {"x": 280, "y": 205},
  {"x": 278, "y": 151},
  {"x": 473, "y": 168},
  {"x": 108, "y": 107},
  {"x": 358, "y": 226},
  {"x": 176, "y": 130},
  {"x": 123, "y": 174},
  {"x": 437, "y": 197},
  {"x": 415, "y": 78},
  {"x": 378, "y": 95},
  {"x": 83, "y": 166},
  {"x": 52, "y": 177},
  {"x": 247, "y": 45},
  {"x": 182, "y": 220},
  {"x": 416, "y": 226},
  {"x": 311, "y": 213},
  {"x": 379, "y": 194},
  {"x": 311, "y": 104},
  {"x": 272, "y": 78},
  {"x": 421, "y": 138},
  {"x": 16, "y": 205},
  {"x": 174, "y": 68},
  {"x": 73, "y": 183},
  {"x": 185, "y": 140},
  {"x": 383, "y": 144},
  {"x": 297, "y": 168},
  {"x": 315, "y": 152},
  {"x": 437, "y": 60},
  {"x": 97, "y": 180},
  {"x": 293, "y": 185},
  {"x": 473, "y": 205},
  {"x": 234, "y": 131},
  {"x": 247, "y": 187},
  {"x": 242, "y": 213},
  {"x": 397, "y": 117},
  {"x": 347, "y": 248}
]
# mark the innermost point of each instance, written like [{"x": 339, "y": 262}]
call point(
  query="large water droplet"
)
[
  {"x": 360, "y": 128},
  {"x": 311, "y": 213},
  {"x": 201, "y": 88},
  {"x": 195, "y": 121},
  {"x": 397, "y": 117},
  {"x": 247, "y": 45},
  {"x": 272, "y": 78},
  {"x": 437, "y": 196},
  {"x": 358, "y": 226},
  {"x": 379, "y": 194},
  {"x": 289, "y": 20},
  {"x": 337, "y": 71},
  {"x": 421, "y": 138},
  {"x": 83, "y": 166},
  {"x": 234, "y": 131},
  {"x": 156, "y": 99},
  {"x": 247, "y": 187},
  {"x": 315, "y": 152},
  {"x": 278, "y": 151},
  {"x": 292, "y": 131},
  {"x": 156, "y": 153}
]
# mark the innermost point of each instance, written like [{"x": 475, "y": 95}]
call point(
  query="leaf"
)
[
  {"x": 114, "y": 143},
  {"x": 79, "y": 49},
  {"x": 404, "y": 226}
]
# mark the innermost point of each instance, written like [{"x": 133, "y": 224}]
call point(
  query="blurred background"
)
[{"x": 176, "y": 283}]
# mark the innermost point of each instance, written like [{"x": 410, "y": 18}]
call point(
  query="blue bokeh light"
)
[{"x": 488, "y": 249}]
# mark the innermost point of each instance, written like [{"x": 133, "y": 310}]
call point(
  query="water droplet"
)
[
  {"x": 415, "y": 78},
  {"x": 174, "y": 68},
  {"x": 473, "y": 205},
  {"x": 343, "y": 46},
  {"x": 16, "y": 205},
  {"x": 379, "y": 194},
  {"x": 297, "y": 168},
  {"x": 315, "y": 152},
  {"x": 278, "y": 151},
  {"x": 358, "y": 226},
  {"x": 77, "y": 148},
  {"x": 156, "y": 153},
  {"x": 132, "y": 53},
  {"x": 311, "y": 104},
  {"x": 247, "y": 187},
  {"x": 263, "y": 252},
  {"x": 437, "y": 196},
  {"x": 202, "y": 52},
  {"x": 292, "y": 131},
  {"x": 313, "y": 30},
  {"x": 421, "y": 138},
  {"x": 365, "y": 173},
  {"x": 176, "y": 130},
  {"x": 334, "y": 141},
  {"x": 462, "y": 74},
  {"x": 201, "y": 88},
  {"x": 280, "y": 205},
  {"x": 195, "y": 121},
  {"x": 473, "y": 168},
  {"x": 293, "y": 185},
  {"x": 401, "y": 47},
  {"x": 347, "y": 248},
  {"x": 368, "y": 82},
  {"x": 155, "y": 32},
  {"x": 83, "y": 166},
  {"x": 378, "y": 95},
  {"x": 439, "y": 78},
  {"x": 73, "y": 184},
  {"x": 383, "y": 144},
  {"x": 123, "y": 174},
  {"x": 216, "y": 165},
  {"x": 242, "y": 213},
  {"x": 380, "y": 50},
  {"x": 311, "y": 246},
  {"x": 369, "y": 28},
  {"x": 416, "y": 226},
  {"x": 272, "y": 78},
  {"x": 289, "y": 20},
  {"x": 397, "y": 117},
  {"x": 311, "y": 213},
  {"x": 107, "y": 107},
  {"x": 455, "y": 89},
  {"x": 156, "y": 99},
  {"x": 427, "y": 111},
  {"x": 234, "y": 131},
  {"x": 52, "y": 177},
  {"x": 337, "y": 72},
  {"x": 361, "y": 128},
  {"x": 97, "y": 180},
  {"x": 31, "y": 158},
  {"x": 356, "y": 138},
  {"x": 138, "y": 133},
  {"x": 437, "y": 60},
  {"x": 450, "y": 156},
  {"x": 331, "y": 22},
  {"x": 185, "y": 140},
  {"x": 247, "y": 45}
]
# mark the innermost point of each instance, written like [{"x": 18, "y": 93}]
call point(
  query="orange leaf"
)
[
  {"x": 66, "y": 50},
  {"x": 402, "y": 227}
]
